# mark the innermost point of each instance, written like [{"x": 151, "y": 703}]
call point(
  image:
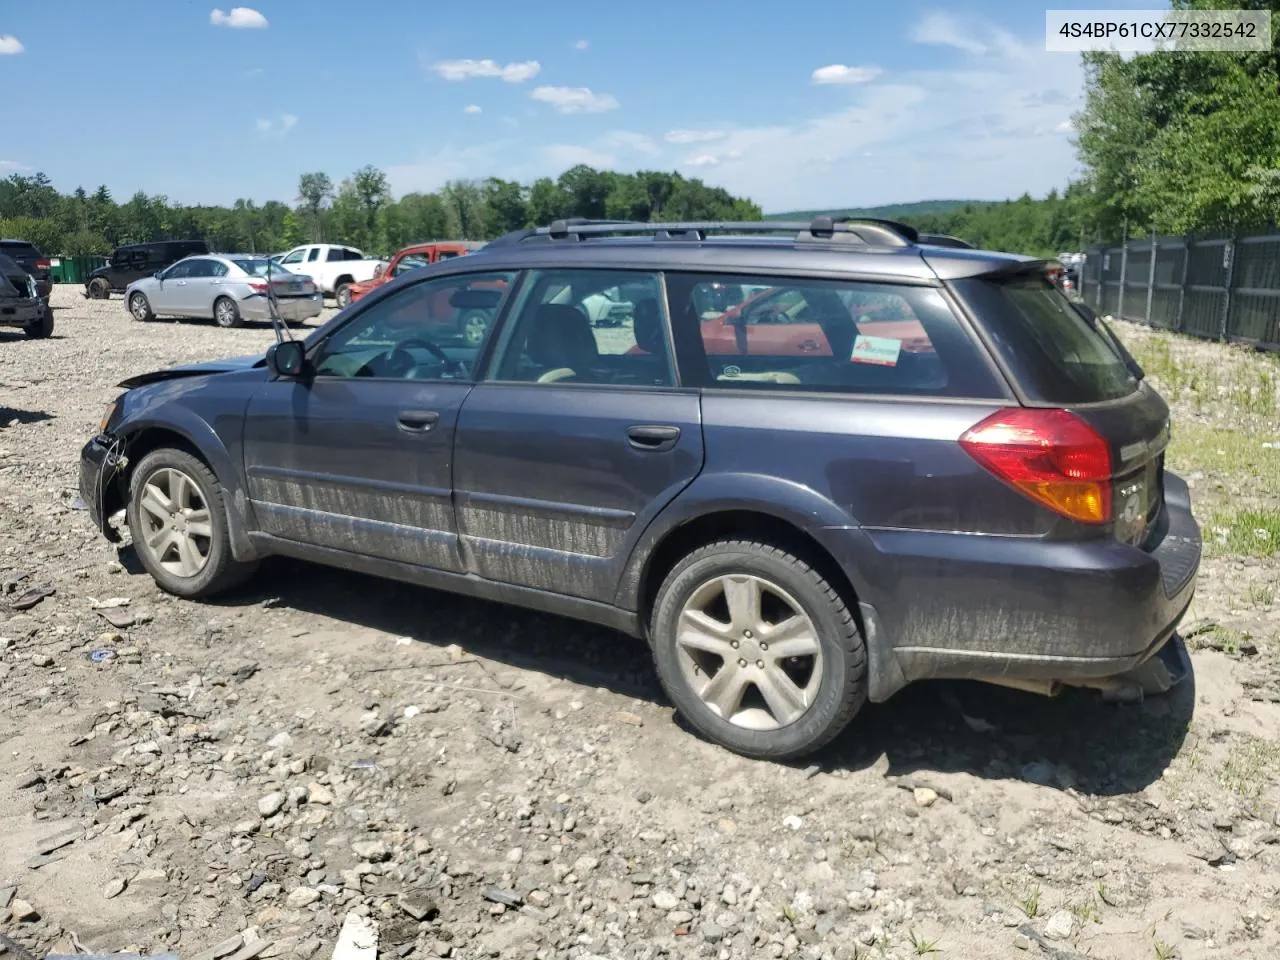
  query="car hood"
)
[{"x": 229, "y": 365}]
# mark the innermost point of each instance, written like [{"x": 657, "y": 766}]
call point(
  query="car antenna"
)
[{"x": 273, "y": 308}]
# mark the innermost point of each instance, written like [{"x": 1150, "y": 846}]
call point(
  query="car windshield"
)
[
  {"x": 258, "y": 268},
  {"x": 1054, "y": 353}
]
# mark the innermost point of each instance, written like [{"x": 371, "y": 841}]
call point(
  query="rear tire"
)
[
  {"x": 99, "y": 289},
  {"x": 342, "y": 295},
  {"x": 178, "y": 523},
  {"x": 226, "y": 313},
  {"x": 42, "y": 329},
  {"x": 720, "y": 609},
  {"x": 140, "y": 307}
]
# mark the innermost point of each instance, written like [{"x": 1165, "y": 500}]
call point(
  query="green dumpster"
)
[{"x": 59, "y": 269}]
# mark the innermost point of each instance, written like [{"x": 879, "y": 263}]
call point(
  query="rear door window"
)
[
  {"x": 1052, "y": 351},
  {"x": 815, "y": 335}
]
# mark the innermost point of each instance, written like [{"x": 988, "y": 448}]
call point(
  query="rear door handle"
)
[
  {"x": 417, "y": 421},
  {"x": 653, "y": 437}
]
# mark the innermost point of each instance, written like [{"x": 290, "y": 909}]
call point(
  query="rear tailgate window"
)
[
  {"x": 20, "y": 250},
  {"x": 1053, "y": 352}
]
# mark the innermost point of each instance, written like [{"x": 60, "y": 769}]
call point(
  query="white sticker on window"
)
[{"x": 881, "y": 351}]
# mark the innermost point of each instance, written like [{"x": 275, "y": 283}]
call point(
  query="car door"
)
[
  {"x": 167, "y": 296},
  {"x": 195, "y": 296},
  {"x": 357, "y": 457},
  {"x": 574, "y": 441}
]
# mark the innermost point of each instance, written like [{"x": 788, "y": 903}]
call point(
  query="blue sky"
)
[{"x": 808, "y": 103}]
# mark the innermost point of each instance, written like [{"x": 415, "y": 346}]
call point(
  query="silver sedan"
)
[{"x": 226, "y": 288}]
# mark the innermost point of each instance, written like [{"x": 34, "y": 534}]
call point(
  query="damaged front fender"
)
[{"x": 101, "y": 467}]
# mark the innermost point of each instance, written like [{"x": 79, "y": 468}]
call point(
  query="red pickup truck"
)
[
  {"x": 772, "y": 322},
  {"x": 410, "y": 258}
]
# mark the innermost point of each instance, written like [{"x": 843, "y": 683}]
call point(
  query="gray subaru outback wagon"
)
[{"x": 817, "y": 462}]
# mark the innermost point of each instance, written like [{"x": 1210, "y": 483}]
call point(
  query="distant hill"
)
[{"x": 889, "y": 211}]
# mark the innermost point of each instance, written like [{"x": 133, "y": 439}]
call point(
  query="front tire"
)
[
  {"x": 140, "y": 307},
  {"x": 42, "y": 329},
  {"x": 758, "y": 651},
  {"x": 179, "y": 525},
  {"x": 99, "y": 289},
  {"x": 226, "y": 313}
]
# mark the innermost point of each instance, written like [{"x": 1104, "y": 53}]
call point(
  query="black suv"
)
[
  {"x": 138, "y": 260},
  {"x": 889, "y": 462},
  {"x": 21, "y": 305},
  {"x": 29, "y": 258}
]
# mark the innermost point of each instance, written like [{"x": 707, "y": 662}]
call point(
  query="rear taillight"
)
[
  {"x": 258, "y": 287},
  {"x": 43, "y": 264},
  {"x": 1052, "y": 456}
]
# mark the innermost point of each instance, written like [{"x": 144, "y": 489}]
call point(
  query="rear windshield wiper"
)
[{"x": 1102, "y": 329}]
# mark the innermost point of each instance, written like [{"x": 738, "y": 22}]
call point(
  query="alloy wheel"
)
[
  {"x": 177, "y": 528},
  {"x": 749, "y": 652}
]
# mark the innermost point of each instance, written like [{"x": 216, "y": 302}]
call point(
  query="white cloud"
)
[
  {"x": 575, "y": 99},
  {"x": 471, "y": 108},
  {"x": 562, "y": 156},
  {"x": 469, "y": 69},
  {"x": 703, "y": 160},
  {"x": 10, "y": 46},
  {"x": 239, "y": 18},
  {"x": 254, "y": 72},
  {"x": 276, "y": 128},
  {"x": 694, "y": 136},
  {"x": 11, "y": 166},
  {"x": 944, "y": 29},
  {"x": 630, "y": 140},
  {"x": 582, "y": 44},
  {"x": 839, "y": 73},
  {"x": 1066, "y": 126}
]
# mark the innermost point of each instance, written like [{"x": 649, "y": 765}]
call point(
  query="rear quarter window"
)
[
  {"x": 810, "y": 335},
  {"x": 1051, "y": 351}
]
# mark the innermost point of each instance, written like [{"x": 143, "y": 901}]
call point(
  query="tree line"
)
[{"x": 359, "y": 211}]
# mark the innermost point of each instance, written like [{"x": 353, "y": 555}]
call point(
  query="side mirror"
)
[
  {"x": 159, "y": 274},
  {"x": 287, "y": 358},
  {"x": 379, "y": 270}
]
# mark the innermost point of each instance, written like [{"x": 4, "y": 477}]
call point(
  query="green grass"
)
[
  {"x": 1031, "y": 905},
  {"x": 1233, "y": 382},
  {"x": 1250, "y": 765},
  {"x": 1232, "y": 456},
  {"x": 922, "y": 946},
  {"x": 1247, "y": 532}
]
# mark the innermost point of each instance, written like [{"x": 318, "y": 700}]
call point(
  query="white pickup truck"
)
[{"x": 333, "y": 267}]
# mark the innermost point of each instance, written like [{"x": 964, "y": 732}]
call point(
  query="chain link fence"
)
[{"x": 1223, "y": 288}]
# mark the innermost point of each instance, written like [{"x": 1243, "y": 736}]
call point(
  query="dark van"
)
[{"x": 138, "y": 260}]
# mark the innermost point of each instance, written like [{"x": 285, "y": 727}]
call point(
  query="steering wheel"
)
[{"x": 401, "y": 363}]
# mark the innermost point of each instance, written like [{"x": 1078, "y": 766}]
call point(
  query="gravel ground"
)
[{"x": 234, "y": 779}]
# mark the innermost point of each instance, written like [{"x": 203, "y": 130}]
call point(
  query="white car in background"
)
[
  {"x": 606, "y": 308},
  {"x": 226, "y": 288},
  {"x": 333, "y": 267}
]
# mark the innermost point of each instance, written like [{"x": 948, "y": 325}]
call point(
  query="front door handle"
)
[
  {"x": 417, "y": 421},
  {"x": 653, "y": 438}
]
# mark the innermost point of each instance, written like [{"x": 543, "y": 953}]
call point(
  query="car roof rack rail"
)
[{"x": 866, "y": 230}]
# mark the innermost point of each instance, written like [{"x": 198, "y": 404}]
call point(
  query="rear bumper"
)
[
  {"x": 21, "y": 313},
  {"x": 940, "y": 605},
  {"x": 293, "y": 309}
]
